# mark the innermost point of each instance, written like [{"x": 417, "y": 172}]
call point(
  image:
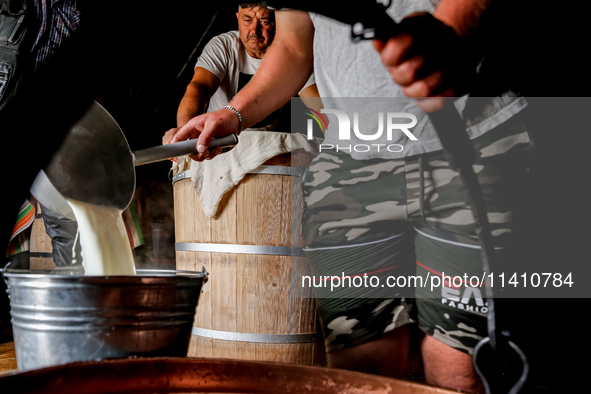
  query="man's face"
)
[{"x": 257, "y": 29}]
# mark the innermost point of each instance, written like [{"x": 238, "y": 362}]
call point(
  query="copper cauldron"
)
[{"x": 201, "y": 375}]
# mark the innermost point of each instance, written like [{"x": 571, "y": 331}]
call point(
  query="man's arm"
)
[
  {"x": 202, "y": 87},
  {"x": 285, "y": 68},
  {"x": 199, "y": 91},
  {"x": 311, "y": 99},
  {"x": 426, "y": 73},
  {"x": 464, "y": 16}
]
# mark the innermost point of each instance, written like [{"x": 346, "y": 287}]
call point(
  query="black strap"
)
[
  {"x": 14, "y": 47},
  {"x": 14, "y": 7}
]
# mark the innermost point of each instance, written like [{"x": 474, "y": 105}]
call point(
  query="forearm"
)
[
  {"x": 199, "y": 91},
  {"x": 311, "y": 99},
  {"x": 464, "y": 16},
  {"x": 193, "y": 103}
]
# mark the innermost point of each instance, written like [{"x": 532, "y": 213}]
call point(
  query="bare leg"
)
[
  {"x": 448, "y": 367},
  {"x": 385, "y": 356}
]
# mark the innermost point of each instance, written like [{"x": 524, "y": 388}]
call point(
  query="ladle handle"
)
[{"x": 164, "y": 152}]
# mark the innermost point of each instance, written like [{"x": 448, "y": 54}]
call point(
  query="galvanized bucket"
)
[{"x": 60, "y": 316}]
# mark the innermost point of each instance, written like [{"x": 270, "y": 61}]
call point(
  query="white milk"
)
[{"x": 103, "y": 238}]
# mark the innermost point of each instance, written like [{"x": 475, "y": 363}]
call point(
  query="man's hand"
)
[
  {"x": 429, "y": 61},
  {"x": 205, "y": 127},
  {"x": 167, "y": 138}
]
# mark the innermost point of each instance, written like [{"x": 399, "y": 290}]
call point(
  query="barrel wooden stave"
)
[{"x": 40, "y": 244}]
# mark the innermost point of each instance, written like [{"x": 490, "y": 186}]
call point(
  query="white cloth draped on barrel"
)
[{"x": 213, "y": 178}]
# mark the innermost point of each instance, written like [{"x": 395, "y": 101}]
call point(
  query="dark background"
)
[{"x": 149, "y": 74}]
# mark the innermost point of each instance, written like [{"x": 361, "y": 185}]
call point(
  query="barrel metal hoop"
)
[
  {"x": 278, "y": 170},
  {"x": 263, "y": 169},
  {"x": 258, "y": 338},
  {"x": 181, "y": 176},
  {"x": 238, "y": 249}
]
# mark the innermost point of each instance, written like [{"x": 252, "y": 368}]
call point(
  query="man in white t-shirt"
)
[{"x": 227, "y": 64}]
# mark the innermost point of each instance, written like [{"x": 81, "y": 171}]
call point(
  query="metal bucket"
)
[{"x": 60, "y": 316}]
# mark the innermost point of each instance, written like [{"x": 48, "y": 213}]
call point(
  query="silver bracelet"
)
[{"x": 237, "y": 114}]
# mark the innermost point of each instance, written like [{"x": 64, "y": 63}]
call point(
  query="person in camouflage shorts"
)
[{"x": 405, "y": 217}]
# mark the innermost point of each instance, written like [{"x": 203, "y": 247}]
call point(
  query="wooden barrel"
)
[
  {"x": 247, "y": 309},
  {"x": 41, "y": 255}
]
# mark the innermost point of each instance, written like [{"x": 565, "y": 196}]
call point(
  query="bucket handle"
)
[
  {"x": 3, "y": 270},
  {"x": 203, "y": 273}
]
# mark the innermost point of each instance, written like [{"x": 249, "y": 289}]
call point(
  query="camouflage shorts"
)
[{"x": 384, "y": 217}]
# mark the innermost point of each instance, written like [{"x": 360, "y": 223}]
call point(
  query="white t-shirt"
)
[
  {"x": 227, "y": 59},
  {"x": 352, "y": 78}
]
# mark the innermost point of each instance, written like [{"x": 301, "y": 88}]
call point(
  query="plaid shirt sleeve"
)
[{"x": 58, "y": 19}]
